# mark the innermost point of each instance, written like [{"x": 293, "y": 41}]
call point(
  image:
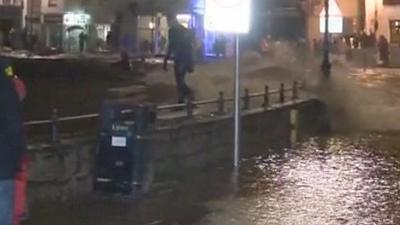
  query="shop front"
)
[
  {"x": 75, "y": 23},
  {"x": 53, "y": 30},
  {"x": 212, "y": 43},
  {"x": 383, "y": 17},
  {"x": 10, "y": 21}
]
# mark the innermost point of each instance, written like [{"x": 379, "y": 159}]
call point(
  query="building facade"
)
[
  {"x": 383, "y": 16},
  {"x": 43, "y": 20},
  {"x": 351, "y": 12},
  {"x": 11, "y": 14}
]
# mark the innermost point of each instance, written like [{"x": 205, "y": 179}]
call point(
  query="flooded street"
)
[{"x": 349, "y": 179}]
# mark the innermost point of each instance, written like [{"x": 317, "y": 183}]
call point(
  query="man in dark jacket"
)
[
  {"x": 180, "y": 46},
  {"x": 12, "y": 142}
]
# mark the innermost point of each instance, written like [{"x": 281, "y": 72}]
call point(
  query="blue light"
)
[{"x": 198, "y": 6}]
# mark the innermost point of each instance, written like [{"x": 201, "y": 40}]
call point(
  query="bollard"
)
[
  {"x": 294, "y": 126},
  {"x": 189, "y": 108},
  {"x": 246, "y": 99},
  {"x": 282, "y": 93},
  {"x": 266, "y": 97},
  {"x": 295, "y": 94},
  {"x": 54, "y": 126},
  {"x": 221, "y": 103}
]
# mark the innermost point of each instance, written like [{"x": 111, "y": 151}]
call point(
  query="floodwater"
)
[
  {"x": 351, "y": 179},
  {"x": 345, "y": 179}
]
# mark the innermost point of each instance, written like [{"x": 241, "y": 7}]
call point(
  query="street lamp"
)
[
  {"x": 152, "y": 26},
  {"x": 231, "y": 16},
  {"x": 326, "y": 65}
]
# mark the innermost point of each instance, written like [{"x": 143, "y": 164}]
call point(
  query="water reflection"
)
[{"x": 353, "y": 180}]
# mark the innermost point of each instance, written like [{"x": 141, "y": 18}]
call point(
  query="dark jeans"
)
[
  {"x": 7, "y": 190},
  {"x": 184, "y": 91}
]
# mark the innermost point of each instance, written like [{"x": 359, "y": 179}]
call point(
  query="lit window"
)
[{"x": 52, "y": 3}]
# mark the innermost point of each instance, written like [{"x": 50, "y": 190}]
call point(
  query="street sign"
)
[{"x": 231, "y": 16}]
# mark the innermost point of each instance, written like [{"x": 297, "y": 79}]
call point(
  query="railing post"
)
[
  {"x": 189, "y": 108},
  {"x": 282, "y": 93},
  {"x": 246, "y": 99},
  {"x": 295, "y": 94},
  {"x": 54, "y": 126},
  {"x": 221, "y": 103},
  {"x": 266, "y": 96}
]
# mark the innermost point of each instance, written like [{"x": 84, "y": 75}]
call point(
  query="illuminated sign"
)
[
  {"x": 335, "y": 22},
  {"x": 76, "y": 19},
  {"x": 232, "y": 16}
]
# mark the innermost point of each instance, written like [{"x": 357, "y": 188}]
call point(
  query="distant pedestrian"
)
[
  {"x": 12, "y": 144},
  {"x": 82, "y": 41},
  {"x": 356, "y": 41},
  {"x": 383, "y": 48},
  {"x": 1, "y": 40},
  {"x": 124, "y": 62},
  {"x": 220, "y": 46},
  {"x": 181, "y": 47},
  {"x": 145, "y": 49},
  {"x": 163, "y": 43},
  {"x": 109, "y": 39},
  {"x": 364, "y": 40}
]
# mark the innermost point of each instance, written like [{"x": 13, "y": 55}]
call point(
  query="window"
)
[
  {"x": 395, "y": 31},
  {"x": 52, "y": 3},
  {"x": 391, "y": 2}
]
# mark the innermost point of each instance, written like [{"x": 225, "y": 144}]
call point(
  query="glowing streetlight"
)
[
  {"x": 230, "y": 16},
  {"x": 152, "y": 25}
]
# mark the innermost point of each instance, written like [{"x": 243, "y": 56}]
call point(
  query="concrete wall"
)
[
  {"x": 64, "y": 170},
  {"x": 59, "y": 171}
]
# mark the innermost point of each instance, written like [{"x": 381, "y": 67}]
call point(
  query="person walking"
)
[
  {"x": 12, "y": 143},
  {"x": 181, "y": 47}
]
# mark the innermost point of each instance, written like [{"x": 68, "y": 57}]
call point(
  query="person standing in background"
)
[
  {"x": 82, "y": 41},
  {"x": 1, "y": 40},
  {"x": 383, "y": 48}
]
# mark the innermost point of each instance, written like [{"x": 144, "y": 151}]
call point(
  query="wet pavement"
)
[
  {"x": 340, "y": 179},
  {"x": 350, "y": 178}
]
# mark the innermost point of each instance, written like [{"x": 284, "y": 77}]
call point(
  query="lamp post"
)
[
  {"x": 326, "y": 65},
  {"x": 152, "y": 26}
]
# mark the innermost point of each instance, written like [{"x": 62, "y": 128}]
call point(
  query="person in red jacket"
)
[
  {"x": 21, "y": 179},
  {"x": 12, "y": 141}
]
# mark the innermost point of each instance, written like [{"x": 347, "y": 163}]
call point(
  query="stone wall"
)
[
  {"x": 58, "y": 171},
  {"x": 64, "y": 170},
  {"x": 201, "y": 144}
]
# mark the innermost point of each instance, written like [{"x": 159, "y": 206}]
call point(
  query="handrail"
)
[{"x": 165, "y": 107}]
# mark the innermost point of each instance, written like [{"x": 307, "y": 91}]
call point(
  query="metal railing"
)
[{"x": 189, "y": 107}]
